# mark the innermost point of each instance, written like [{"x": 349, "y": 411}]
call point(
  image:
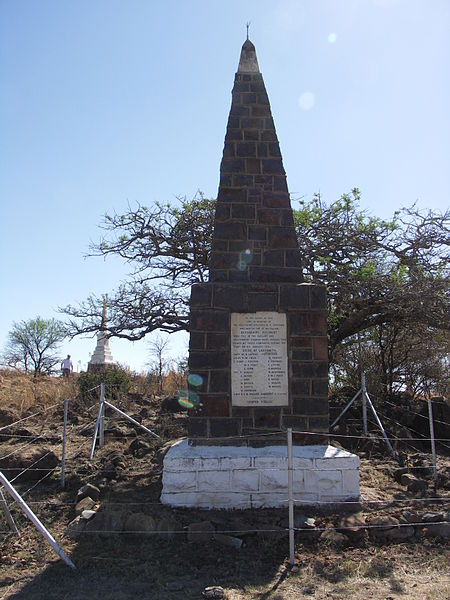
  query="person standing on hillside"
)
[{"x": 67, "y": 366}]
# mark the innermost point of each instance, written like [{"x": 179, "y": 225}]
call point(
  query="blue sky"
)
[{"x": 105, "y": 102}]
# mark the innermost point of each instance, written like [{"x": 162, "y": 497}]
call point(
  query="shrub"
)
[{"x": 116, "y": 379}]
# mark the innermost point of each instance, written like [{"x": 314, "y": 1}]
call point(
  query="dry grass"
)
[{"x": 19, "y": 392}]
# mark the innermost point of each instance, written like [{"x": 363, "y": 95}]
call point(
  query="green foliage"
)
[
  {"x": 33, "y": 345},
  {"x": 117, "y": 382}
]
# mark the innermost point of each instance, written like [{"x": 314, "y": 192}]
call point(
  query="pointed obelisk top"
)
[{"x": 248, "y": 62}]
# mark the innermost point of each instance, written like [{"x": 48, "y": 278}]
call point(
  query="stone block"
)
[
  {"x": 337, "y": 463},
  {"x": 351, "y": 481},
  {"x": 282, "y": 237},
  {"x": 262, "y": 302},
  {"x": 208, "y": 359},
  {"x": 219, "y": 381},
  {"x": 217, "y": 481},
  {"x": 179, "y": 481},
  {"x": 201, "y": 295},
  {"x": 245, "y": 480},
  {"x": 324, "y": 482},
  {"x": 209, "y": 320}
]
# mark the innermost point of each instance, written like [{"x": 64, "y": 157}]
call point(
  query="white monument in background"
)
[{"x": 102, "y": 356}]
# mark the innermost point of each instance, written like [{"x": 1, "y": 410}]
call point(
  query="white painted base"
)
[{"x": 245, "y": 477}]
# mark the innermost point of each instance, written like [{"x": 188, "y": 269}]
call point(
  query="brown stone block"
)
[
  {"x": 261, "y": 111},
  {"x": 219, "y": 246},
  {"x": 310, "y": 406},
  {"x": 246, "y": 149},
  {"x": 320, "y": 424},
  {"x": 274, "y": 166},
  {"x": 225, "y": 181},
  {"x": 241, "y": 411},
  {"x": 268, "y": 216},
  {"x": 262, "y": 302},
  {"x": 272, "y": 274},
  {"x": 233, "y": 122},
  {"x": 201, "y": 294},
  {"x": 316, "y": 322},
  {"x": 219, "y": 381},
  {"x": 297, "y": 323},
  {"x": 282, "y": 237},
  {"x": 267, "y": 418},
  {"x": 229, "y": 150},
  {"x": 208, "y": 359},
  {"x": 262, "y": 98},
  {"x": 286, "y": 218},
  {"x": 209, "y": 320},
  {"x": 214, "y": 405},
  {"x": 293, "y": 258},
  {"x": 238, "y": 110},
  {"x": 224, "y": 427},
  {"x": 217, "y": 341},
  {"x": 300, "y": 341},
  {"x": 276, "y": 200},
  {"x": 251, "y": 135},
  {"x": 262, "y": 149},
  {"x": 257, "y": 232},
  {"x": 294, "y": 421},
  {"x": 227, "y": 296},
  {"x": 318, "y": 296},
  {"x": 302, "y": 354},
  {"x": 252, "y": 123},
  {"x": 197, "y": 340},
  {"x": 232, "y": 135},
  {"x": 294, "y": 296},
  {"x": 233, "y": 165},
  {"x": 240, "y": 86},
  {"x": 320, "y": 346},
  {"x": 320, "y": 387},
  {"x": 268, "y": 136},
  {"x": 230, "y": 231},
  {"x": 279, "y": 183},
  {"x": 257, "y": 86},
  {"x": 274, "y": 149},
  {"x": 273, "y": 258},
  {"x": 223, "y": 212},
  {"x": 240, "y": 181},
  {"x": 300, "y": 387},
  {"x": 310, "y": 369},
  {"x": 236, "y": 276},
  {"x": 218, "y": 276},
  {"x": 223, "y": 260},
  {"x": 230, "y": 194},
  {"x": 249, "y": 98},
  {"x": 197, "y": 426},
  {"x": 253, "y": 165},
  {"x": 243, "y": 211}
]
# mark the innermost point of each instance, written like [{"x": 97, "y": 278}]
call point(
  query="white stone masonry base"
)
[{"x": 242, "y": 477}]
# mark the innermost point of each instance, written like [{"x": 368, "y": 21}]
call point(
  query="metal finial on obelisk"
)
[{"x": 248, "y": 25}]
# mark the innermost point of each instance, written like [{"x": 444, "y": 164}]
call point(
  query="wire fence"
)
[{"x": 79, "y": 449}]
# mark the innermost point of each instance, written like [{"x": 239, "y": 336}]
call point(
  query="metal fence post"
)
[
  {"x": 8, "y": 514},
  {"x": 433, "y": 443},
  {"x": 364, "y": 401},
  {"x": 33, "y": 518},
  {"x": 63, "y": 458},
  {"x": 291, "y": 497},
  {"x": 102, "y": 417},
  {"x": 97, "y": 425}
]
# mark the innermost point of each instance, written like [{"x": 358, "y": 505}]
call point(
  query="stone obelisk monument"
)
[
  {"x": 102, "y": 356},
  {"x": 258, "y": 338}
]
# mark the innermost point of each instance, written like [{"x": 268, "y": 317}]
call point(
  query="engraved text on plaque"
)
[{"x": 259, "y": 359}]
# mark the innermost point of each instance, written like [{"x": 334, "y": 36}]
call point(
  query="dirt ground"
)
[{"x": 163, "y": 563}]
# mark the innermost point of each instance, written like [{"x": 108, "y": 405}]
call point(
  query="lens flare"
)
[
  {"x": 245, "y": 258},
  {"x": 306, "y": 101},
  {"x": 332, "y": 38},
  {"x": 188, "y": 398},
  {"x": 195, "y": 379}
]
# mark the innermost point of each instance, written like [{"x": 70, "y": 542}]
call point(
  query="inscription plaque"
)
[{"x": 259, "y": 371}]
